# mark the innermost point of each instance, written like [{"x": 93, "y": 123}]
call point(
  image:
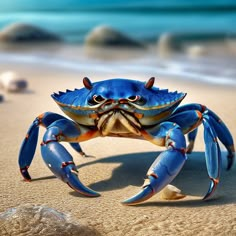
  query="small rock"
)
[
  {"x": 107, "y": 36},
  {"x": 170, "y": 192},
  {"x": 167, "y": 45},
  {"x": 20, "y": 32},
  {"x": 196, "y": 51},
  {"x": 30, "y": 220},
  {"x": 12, "y": 82}
]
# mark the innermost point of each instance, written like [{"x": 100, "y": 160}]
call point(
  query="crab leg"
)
[
  {"x": 27, "y": 150},
  {"x": 188, "y": 120},
  {"x": 220, "y": 128},
  {"x": 29, "y": 144},
  {"x": 58, "y": 159},
  {"x": 167, "y": 165},
  {"x": 213, "y": 156},
  {"x": 223, "y": 134},
  {"x": 77, "y": 148},
  {"x": 213, "y": 128}
]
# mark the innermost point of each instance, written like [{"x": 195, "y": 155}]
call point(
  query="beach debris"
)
[
  {"x": 166, "y": 45},
  {"x": 170, "y": 192},
  {"x": 12, "y": 82},
  {"x": 107, "y": 36},
  {"x": 29, "y": 219},
  {"x": 231, "y": 45},
  {"x": 1, "y": 98},
  {"x": 196, "y": 51},
  {"x": 22, "y": 32},
  {"x": 197, "y": 43},
  {"x": 132, "y": 109}
]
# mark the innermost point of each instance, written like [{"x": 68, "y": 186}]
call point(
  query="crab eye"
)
[
  {"x": 137, "y": 100},
  {"x": 133, "y": 98},
  {"x": 98, "y": 98}
]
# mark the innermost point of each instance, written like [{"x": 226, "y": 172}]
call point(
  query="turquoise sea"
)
[
  {"x": 144, "y": 20},
  {"x": 140, "y": 19}
]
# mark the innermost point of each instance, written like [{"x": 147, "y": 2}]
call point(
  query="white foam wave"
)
[{"x": 181, "y": 70}]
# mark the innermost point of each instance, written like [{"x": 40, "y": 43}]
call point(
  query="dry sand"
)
[{"x": 118, "y": 169}]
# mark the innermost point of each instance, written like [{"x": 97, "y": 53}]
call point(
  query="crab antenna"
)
[
  {"x": 87, "y": 83},
  {"x": 150, "y": 83}
]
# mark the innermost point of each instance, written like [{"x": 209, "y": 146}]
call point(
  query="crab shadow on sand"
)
[{"x": 192, "y": 180}]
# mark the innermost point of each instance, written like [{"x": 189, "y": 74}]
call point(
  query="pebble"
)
[{"x": 12, "y": 82}]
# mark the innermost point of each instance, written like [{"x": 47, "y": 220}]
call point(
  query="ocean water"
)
[{"x": 143, "y": 20}]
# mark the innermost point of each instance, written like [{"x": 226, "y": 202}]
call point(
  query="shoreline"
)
[{"x": 77, "y": 58}]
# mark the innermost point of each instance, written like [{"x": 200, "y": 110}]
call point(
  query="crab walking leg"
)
[
  {"x": 191, "y": 140},
  {"x": 77, "y": 148},
  {"x": 220, "y": 128},
  {"x": 188, "y": 121},
  {"x": 29, "y": 143},
  {"x": 58, "y": 159},
  {"x": 193, "y": 133},
  {"x": 167, "y": 165},
  {"x": 213, "y": 156},
  {"x": 223, "y": 134},
  {"x": 27, "y": 150}
]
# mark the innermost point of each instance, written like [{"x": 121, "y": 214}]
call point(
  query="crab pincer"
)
[
  {"x": 65, "y": 169},
  {"x": 59, "y": 160},
  {"x": 166, "y": 167}
]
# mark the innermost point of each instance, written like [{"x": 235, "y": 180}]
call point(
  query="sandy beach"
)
[{"x": 119, "y": 166}]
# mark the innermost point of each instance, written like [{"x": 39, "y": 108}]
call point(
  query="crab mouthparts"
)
[{"x": 118, "y": 122}]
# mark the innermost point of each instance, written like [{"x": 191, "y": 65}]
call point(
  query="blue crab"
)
[{"x": 133, "y": 109}]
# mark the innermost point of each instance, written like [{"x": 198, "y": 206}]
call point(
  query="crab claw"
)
[
  {"x": 161, "y": 173},
  {"x": 74, "y": 182},
  {"x": 146, "y": 193},
  {"x": 61, "y": 164},
  {"x": 212, "y": 188}
]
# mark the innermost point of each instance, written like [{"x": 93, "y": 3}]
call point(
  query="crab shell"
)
[{"x": 138, "y": 102}]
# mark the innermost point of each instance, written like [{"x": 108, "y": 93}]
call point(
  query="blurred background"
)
[{"x": 186, "y": 39}]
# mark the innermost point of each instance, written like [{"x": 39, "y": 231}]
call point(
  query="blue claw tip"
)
[
  {"x": 212, "y": 188},
  {"x": 25, "y": 174},
  {"x": 84, "y": 190},
  {"x": 74, "y": 182},
  {"x": 143, "y": 195}
]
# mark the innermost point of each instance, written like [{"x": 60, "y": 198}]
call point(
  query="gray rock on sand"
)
[
  {"x": 12, "y": 82},
  {"x": 169, "y": 43},
  {"x": 107, "y": 36},
  {"x": 21, "y": 32},
  {"x": 30, "y": 220}
]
